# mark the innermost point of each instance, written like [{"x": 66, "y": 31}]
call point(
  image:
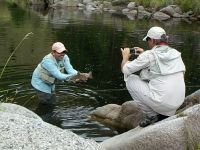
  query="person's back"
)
[{"x": 160, "y": 88}]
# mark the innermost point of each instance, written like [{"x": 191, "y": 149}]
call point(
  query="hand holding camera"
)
[{"x": 131, "y": 53}]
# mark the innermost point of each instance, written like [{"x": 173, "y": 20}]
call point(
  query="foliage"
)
[
  {"x": 186, "y": 5},
  {"x": 189, "y": 5}
]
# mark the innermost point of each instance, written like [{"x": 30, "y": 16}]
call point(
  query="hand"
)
[
  {"x": 139, "y": 50},
  {"x": 125, "y": 53}
]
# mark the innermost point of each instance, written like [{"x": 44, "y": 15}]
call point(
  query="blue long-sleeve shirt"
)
[{"x": 50, "y": 64}]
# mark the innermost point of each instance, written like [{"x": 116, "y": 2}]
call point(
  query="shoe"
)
[
  {"x": 161, "y": 117},
  {"x": 148, "y": 120}
]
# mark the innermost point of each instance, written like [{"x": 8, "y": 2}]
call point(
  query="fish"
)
[{"x": 80, "y": 77}]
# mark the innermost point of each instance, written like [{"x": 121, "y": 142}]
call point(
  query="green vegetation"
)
[
  {"x": 18, "y": 46},
  {"x": 9, "y": 99},
  {"x": 185, "y": 5}
]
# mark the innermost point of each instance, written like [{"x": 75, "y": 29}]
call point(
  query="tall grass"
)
[
  {"x": 187, "y": 5},
  {"x": 11, "y": 99},
  {"x": 18, "y": 46}
]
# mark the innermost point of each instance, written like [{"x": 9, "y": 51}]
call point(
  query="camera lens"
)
[{"x": 132, "y": 50}]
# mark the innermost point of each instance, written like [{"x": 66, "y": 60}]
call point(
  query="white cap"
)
[
  {"x": 155, "y": 33},
  {"x": 58, "y": 47}
]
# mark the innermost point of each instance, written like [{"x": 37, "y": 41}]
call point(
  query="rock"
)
[
  {"x": 128, "y": 115},
  {"x": 80, "y": 5},
  {"x": 122, "y": 117},
  {"x": 160, "y": 16},
  {"x": 125, "y": 11},
  {"x": 22, "y": 129},
  {"x": 86, "y": 1},
  {"x": 192, "y": 126},
  {"x": 190, "y": 100},
  {"x": 169, "y": 10},
  {"x": 172, "y": 133},
  {"x": 177, "y": 15},
  {"x": 132, "y": 14},
  {"x": 143, "y": 14},
  {"x": 131, "y": 5},
  {"x": 107, "y": 115},
  {"x": 16, "y": 109},
  {"x": 141, "y": 8}
]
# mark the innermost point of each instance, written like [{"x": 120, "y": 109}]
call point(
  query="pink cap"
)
[{"x": 58, "y": 47}]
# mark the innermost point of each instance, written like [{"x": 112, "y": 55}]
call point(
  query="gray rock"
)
[
  {"x": 125, "y": 11},
  {"x": 143, "y": 14},
  {"x": 141, "y": 8},
  {"x": 126, "y": 116},
  {"x": 169, "y": 10},
  {"x": 160, "y": 16},
  {"x": 16, "y": 109},
  {"x": 177, "y": 132},
  {"x": 131, "y": 5},
  {"x": 107, "y": 115},
  {"x": 80, "y": 5},
  {"x": 21, "y": 129},
  {"x": 87, "y": 1},
  {"x": 177, "y": 15}
]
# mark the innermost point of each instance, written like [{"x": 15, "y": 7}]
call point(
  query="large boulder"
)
[
  {"x": 160, "y": 16},
  {"x": 177, "y": 132},
  {"x": 128, "y": 115},
  {"x": 22, "y": 129},
  {"x": 122, "y": 117}
]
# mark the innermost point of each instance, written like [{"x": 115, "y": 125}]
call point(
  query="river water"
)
[{"x": 94, "y": 41}]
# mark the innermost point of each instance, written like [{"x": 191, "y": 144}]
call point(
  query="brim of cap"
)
[
  {"x": 145, "y": 38},
  {"x": 61, "y": 50}
]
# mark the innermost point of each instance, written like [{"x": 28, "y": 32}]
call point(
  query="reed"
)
[{"x": 18, "y": 46}]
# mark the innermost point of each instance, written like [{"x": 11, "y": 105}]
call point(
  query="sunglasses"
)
[
  {"x": 64, "y": 52},
  {"x": 148, "y": 38}
]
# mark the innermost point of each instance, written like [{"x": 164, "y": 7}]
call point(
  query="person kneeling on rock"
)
[{"x": 159, "y": 90}]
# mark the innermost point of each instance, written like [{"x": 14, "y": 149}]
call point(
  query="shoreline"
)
[{"x": 132, "y": 10}]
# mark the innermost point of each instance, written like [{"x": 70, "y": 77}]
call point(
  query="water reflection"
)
[{"x": 94, "y": 41}]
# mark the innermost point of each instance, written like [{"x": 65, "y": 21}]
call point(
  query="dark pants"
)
[{"x": 46, "y": 98}]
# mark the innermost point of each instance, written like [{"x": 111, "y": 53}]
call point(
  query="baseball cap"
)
[
  {"x": 58, "y": 47},
  {"x": 155, "y": 33}
]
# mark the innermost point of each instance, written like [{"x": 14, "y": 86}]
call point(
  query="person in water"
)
[
  {"x": 159, "y": 89},
  {"x": 54, "y": 66}
]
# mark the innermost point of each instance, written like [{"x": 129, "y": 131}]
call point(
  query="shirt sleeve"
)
[
  {"x": 142, "y": 61},
  {"x": 68, "y": 67},
  {"x": 51, "y": 67}
]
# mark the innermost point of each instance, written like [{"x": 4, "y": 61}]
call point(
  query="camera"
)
[{"x": 132, "y": 50}]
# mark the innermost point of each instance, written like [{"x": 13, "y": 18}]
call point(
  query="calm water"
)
[{"x": 94, "y": 42}]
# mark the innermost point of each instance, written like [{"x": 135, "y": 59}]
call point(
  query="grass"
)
[
  {"x": 18, "y": 46},
  {"x": 4, "y": 68},
  {"x": 185, "y": 5}
]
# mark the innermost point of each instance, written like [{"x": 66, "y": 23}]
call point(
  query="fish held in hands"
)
[{"x": 80, "y": 77}]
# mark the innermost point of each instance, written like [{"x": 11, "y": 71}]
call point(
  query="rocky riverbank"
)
[
  {"x": 20, "y": 128},
  {"x": 180, "y": 131},
  {"x": 132, "y": 10}
]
